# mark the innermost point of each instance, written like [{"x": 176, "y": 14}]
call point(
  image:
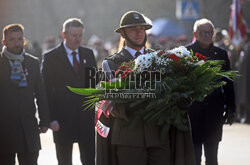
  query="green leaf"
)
[
  {"x": 90, "y": 104},
  {"x": 85, "y": 91},
  {"x": 113, "y": 85}
]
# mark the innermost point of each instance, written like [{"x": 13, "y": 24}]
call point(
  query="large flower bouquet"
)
[{"x": 161, "y": 85}]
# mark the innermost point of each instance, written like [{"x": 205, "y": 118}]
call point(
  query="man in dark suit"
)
[
  {"x": 20, "y": 83},
  {"x": 70, "y": 64},
  {"x": 208, "y": 117},
  {"x": 141, "y": 144}
]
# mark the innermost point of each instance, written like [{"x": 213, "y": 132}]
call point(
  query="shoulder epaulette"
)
[{"x": 117, "y": 57}]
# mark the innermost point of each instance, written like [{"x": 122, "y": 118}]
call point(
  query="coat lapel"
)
[{"x": 62, "y": 56}]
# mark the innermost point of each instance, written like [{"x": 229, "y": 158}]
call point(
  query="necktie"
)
[
  {"x": 137, "y": 54},
  {"x": 75, "y": 62}
]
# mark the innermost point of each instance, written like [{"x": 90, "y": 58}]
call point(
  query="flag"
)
[
  {"x": 104, "y": 107},
  {"x": 237, "y": 24}
]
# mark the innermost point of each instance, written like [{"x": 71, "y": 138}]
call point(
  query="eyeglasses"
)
[{"x": 204, "y": 32}]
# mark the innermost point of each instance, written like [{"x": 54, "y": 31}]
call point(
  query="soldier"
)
[{"x": 139, "y": 145}]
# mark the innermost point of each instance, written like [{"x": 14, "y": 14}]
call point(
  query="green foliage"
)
[
  {"x": 113, "y": 85},
  {"x": 183, "y": 81},
  {"x": 85, "y": 91}
]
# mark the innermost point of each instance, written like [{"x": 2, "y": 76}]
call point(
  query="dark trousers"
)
[
  {"x": 210, "y": 150},
  {"x": 64, "y": 153},
  {"x": 130, "y": 155},
  {"x": 26, "y": 158}
]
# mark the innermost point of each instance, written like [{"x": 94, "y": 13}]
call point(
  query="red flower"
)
[
  {"x": 126, "y": 73},
  {"x": 200, "y": 56},
  {"x": 174, "y": 57},
  {"x": 117, "y": 72},
  {"x": 160, "y": 53},
  {"x": 123, "y": 67}
]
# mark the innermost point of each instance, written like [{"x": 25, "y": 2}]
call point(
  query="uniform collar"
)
[{"x": 133, "y": 51}]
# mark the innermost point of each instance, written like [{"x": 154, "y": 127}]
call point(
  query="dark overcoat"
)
[
  {"x": 18, "y": 122},
  {"x": 65, "y": 106},
  {"x": 207, "y": 117}
]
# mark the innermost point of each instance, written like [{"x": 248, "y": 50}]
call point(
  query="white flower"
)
[
  {"x": 144, "y": 61},
  {"x": 162, "y": 61},
  {"x": 180, "y": 51},
  {"x": 200, "y": 62}
]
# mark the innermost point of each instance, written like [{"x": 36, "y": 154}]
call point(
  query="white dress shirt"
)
[
  {"x": 133, "y": 51},
  {"x": 69, "y": 55}
]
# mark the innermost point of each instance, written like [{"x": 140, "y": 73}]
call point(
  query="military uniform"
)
[
  {"x": 139, "y": 144},
  {"x": 142, "y": 135},
  {"x": 177, "y": 145}
]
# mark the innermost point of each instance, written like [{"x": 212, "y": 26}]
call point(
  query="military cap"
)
[{"x": 134, "y": 18}]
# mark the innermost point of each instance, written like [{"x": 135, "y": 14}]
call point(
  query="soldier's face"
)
[
  {"x": 136, "y": 34},
  {"x": 14, "y": 42},
  {"x": 73, "y": 37},
  {"x": 204, "y": 34}
]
